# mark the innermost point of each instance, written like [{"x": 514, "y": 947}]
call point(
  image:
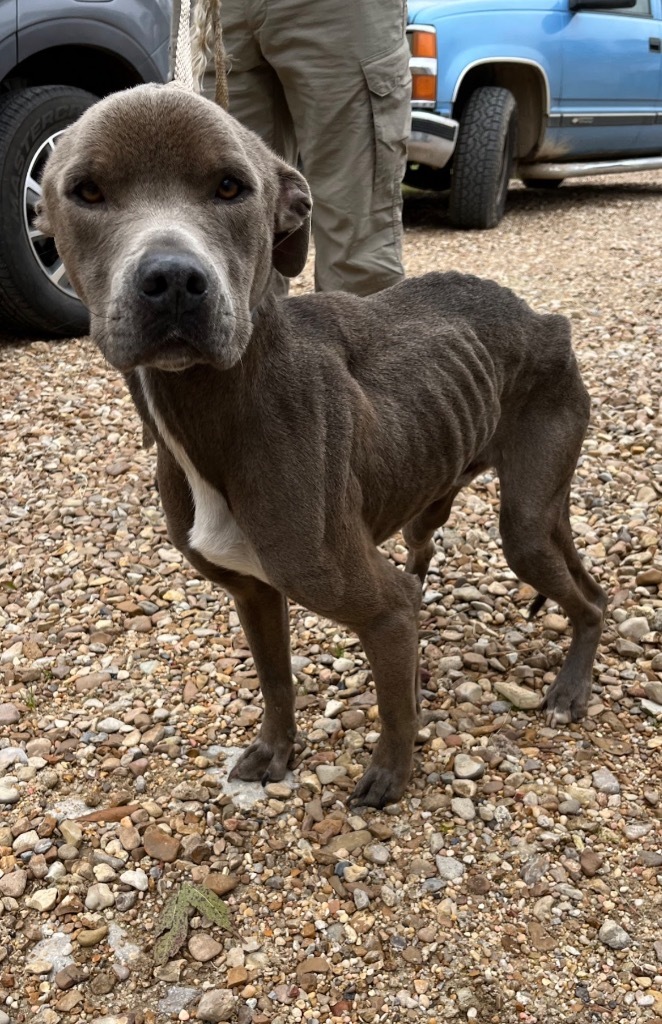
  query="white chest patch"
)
[{"x": 215, "y": 533}]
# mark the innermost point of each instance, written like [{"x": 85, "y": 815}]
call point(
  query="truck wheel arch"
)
[{"x": 525, "y": 79}]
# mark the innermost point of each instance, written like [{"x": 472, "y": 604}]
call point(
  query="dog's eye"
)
[
  {"x": 229, "y": 188},
  {"x": 89, "y": 192}
]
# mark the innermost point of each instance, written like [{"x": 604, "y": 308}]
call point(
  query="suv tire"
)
[
  {"x": 483, "y": 160},
  {"x": 30, "y": 300}
]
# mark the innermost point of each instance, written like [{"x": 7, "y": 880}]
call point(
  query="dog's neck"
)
[{"x": 204, "y": 399}]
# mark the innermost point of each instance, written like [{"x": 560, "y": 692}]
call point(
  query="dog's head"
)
[{"x": 169, "y": 216}]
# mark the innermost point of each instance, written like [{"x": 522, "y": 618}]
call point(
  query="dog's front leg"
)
[
  {"x": 390, "y": 640},
  {"x": 263, "y": 615}
]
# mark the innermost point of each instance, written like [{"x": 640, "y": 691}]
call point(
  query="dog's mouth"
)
[
  {"x": 215, "y": 342},
  {"x": 174, "y": 354}
]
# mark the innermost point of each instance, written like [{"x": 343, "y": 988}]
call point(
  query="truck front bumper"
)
[{"x": 431, "y": 140}]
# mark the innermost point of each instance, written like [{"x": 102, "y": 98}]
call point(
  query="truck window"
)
[{"x": 642, "y": 9}]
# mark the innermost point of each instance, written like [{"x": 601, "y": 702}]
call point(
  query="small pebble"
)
[
  {"x": 449, "y": 868},
  {"x": 99, "y": 897},
  {"x": 468, "y": 691},
  {"x": 9, "y": 714},
  {"x": 203, "y": 947},
  {"x": 466, "y": 767},
  {"x": 136, "y": 879},
  {"x": 329, "y": 773},
  {"x": 42, "y": 900},
  {"x": 92, "y": 936},
  {"x": 463, "y": 808}
]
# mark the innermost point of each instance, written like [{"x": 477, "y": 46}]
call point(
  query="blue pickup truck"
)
[{"x": 540, "y": 90}]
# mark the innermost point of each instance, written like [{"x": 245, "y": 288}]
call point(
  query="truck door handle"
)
[{"x": 654, "y": 44}]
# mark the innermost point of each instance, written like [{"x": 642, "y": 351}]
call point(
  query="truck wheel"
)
[
  {"x": 544, "y": 183},
  {"x": 483, "y": 160},
  {"x": 36, "y": 296}
]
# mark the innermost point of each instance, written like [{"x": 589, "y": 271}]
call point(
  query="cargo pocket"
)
[{"x": 389, "y": 86}]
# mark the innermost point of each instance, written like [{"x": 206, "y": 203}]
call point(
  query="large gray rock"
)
[
  {"x": 519, "y": 696},
  {"x": 12, "y": 755},
  {"x": 606, "y": 782},
  {"x": 653, "y": 690},
  {"x": 99, "y": 897},
  {"x": 468, "y": 691},
  {"x": 216, "y": 1006},
  {"x": 633, "y": 629},
  {"x": 9, "y": 714},
  {"x": 450, "y": 869},
  {"x": 612, "y": 935}
]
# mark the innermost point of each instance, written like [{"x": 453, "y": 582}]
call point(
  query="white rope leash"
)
[
  {"x": 183, "y": 55},
  {"x": 191, "y": 59}
]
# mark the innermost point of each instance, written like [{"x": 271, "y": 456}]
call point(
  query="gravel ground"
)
[{"x": 520, "y": 880}]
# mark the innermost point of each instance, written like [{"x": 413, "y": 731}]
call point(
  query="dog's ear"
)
[
  {"x": 41, "y": 220},
  {"x": 291, "y": 222}
]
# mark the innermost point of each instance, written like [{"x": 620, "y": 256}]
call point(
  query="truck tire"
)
[
  {"x": 483, "y": 160},
  {"x": 34, "y": 299},
  {"x": 543, "y": 183}
]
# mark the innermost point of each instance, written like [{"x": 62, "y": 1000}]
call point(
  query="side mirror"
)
[{"x": 601, "y": 5}]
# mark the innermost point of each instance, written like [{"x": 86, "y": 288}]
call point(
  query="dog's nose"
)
[{"x": 172, "y": 283}]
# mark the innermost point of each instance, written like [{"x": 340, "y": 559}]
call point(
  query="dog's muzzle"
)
[
  {"x": 172, "y": 301},
  {"x": 172, "y": 285}
]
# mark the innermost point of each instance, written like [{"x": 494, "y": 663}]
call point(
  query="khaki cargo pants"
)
[{"x": 329, "y": 80}]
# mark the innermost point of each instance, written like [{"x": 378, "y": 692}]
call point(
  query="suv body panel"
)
[
  {"x": 136, "y": 31},
  {"x": 8, "y": 42}
]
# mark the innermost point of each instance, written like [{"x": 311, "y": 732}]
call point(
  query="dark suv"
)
[{"x": 56, "y": 58}]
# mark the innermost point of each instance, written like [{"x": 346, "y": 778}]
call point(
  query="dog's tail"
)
[{"x": 536, "y": 605}]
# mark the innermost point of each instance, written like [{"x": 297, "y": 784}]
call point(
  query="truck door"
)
[{"x": 610, "y": 86}]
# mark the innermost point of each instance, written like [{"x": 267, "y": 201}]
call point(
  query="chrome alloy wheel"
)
[{"x": 43, "y": 247}]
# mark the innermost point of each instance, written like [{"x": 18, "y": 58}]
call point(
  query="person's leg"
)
[
  {"x": 344, "y": 69},
  {"x": 257, "y": 99},
  {"x": 255, "y": 93}
]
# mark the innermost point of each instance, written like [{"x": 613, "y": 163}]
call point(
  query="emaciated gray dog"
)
[{"x": 295, "y": 435}]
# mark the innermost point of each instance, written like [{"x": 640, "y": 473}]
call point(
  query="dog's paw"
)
[
  {"x": 555, "y": 718},
  {"x": 564, "y": 703},
  {"x": 378, "y": 787},
  {"x": 262, "y": 762}
]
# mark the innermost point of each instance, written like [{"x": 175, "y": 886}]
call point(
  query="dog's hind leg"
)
[
  {"x": 418, "y": 534},
  {"x": 264, "y": 618},
  {"x": 590, "y": 587},
  {"x": 535, "y": 471}
]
